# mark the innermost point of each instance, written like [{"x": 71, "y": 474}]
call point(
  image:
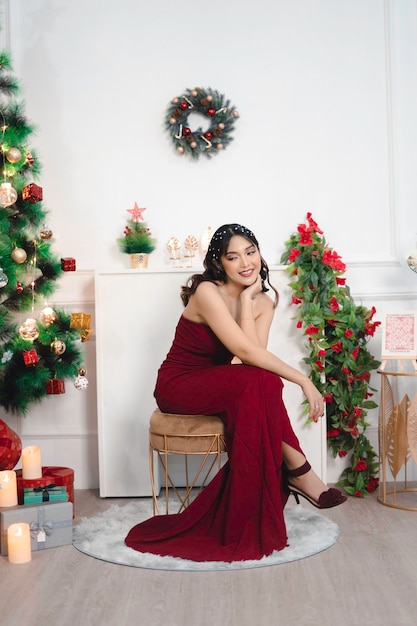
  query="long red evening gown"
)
[{"x": 239, "y": 514}]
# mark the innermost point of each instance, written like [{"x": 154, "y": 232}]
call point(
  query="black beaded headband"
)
[{"x": 214, "y": 249}]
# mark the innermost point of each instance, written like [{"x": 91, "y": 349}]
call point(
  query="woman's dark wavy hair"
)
[{"x": 213, "y": 270}]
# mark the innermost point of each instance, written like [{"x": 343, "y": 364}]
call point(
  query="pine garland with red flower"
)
[{"x": 337, "y": 330}]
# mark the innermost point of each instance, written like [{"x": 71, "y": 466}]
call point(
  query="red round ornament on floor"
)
[{"x": 10, "y": 447}]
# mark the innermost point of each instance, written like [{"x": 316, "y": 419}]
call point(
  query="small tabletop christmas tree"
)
[{"x": 137, "y": 237}]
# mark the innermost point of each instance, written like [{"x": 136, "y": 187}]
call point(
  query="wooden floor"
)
[{"x": 368, "y": 577}]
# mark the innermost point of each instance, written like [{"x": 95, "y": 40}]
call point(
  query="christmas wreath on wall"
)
[{"x": 209, "y": 104}]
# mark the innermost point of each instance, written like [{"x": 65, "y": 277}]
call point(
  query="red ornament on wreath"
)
[{"x": 211, "y": 112}]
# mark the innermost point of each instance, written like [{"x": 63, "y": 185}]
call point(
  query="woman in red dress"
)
[{"x": 219, "y": 364}]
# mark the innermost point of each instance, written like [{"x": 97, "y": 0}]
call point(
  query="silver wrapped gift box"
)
[{"x": 50, "y": 524}]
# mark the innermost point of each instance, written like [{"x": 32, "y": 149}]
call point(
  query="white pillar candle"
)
[
  {"x": 31, "y": 462},
  {"x": 18, "y": 543},
  {"x": 8, "y": 488}
]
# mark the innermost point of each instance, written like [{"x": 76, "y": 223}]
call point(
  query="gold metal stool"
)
[{"x": 187, "y": 435}]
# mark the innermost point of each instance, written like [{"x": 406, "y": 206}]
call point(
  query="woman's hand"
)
[
  {"x": 253, "y": 290},
  {"x": 315, "y": 400}
]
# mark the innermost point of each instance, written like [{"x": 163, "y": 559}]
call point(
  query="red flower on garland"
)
[
  {"x": 312, "y": 330},
  {"x": 342, "y": 453},
  {"x": 335, "y": 432},
  {"x": 372, "y": 484},
  {"x": 337, "y": 347},
  {"x": 332, "y": 259},
  {"x": 348, "y": 333},
  {"x": 293, "y": 255},
  {"x": 313, "y": 225},
  {"x": 334, "y": 304},
  {"x": 305, "y": 235},
  {"x": 360, "y": 466}
]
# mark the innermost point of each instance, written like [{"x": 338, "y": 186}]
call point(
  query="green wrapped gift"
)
[{"x": 47, "y": 493}]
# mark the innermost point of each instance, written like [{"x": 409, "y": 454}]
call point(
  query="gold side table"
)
[{"x": 397, "y": 431}]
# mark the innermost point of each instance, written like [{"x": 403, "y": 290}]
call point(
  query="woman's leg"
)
[{"x": 309, "y": 482}]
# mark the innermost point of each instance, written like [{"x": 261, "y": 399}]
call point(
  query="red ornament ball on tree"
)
[
  {"x": 208, "y": 135},
  {"x": 187, "y": 131},
  {"x": 183, "y": 106},
  {"x": 211, "y": 112}
]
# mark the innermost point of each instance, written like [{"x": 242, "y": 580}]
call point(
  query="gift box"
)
[
  {"x": 55, "y": 386},
  {"x": 80, "y": 320},
  {"x": 30, "y": 357},
  {"x": 50, "y": 524},
  {"x": 59, "y": 476},
  {"x": 32, "y": 193},
  {"x": 68, "y": 264},
  {"x": 49, "y": 493}
]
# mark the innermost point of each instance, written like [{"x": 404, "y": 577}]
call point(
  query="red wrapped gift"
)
[
  {"x": 55, "y": 386},
  {"x": 30, "y": 357},
  {"x": 60, "y": 476},
  {"x": 32, "y": 193},
  {"x": 68, "y": 264}
]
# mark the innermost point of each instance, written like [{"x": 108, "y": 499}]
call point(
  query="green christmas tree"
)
[{"x": 42, "y": 348}]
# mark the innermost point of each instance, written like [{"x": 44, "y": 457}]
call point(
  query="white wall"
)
[{"x": 327, "y": 95}]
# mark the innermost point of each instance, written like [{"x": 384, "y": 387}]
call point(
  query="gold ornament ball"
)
[
  {"x": 180, "y": 149},
  {"x": 174, "y": 100},
  {"x": 235, "y": 113},
  {"x": 194, "y": 93},
  {"x": 45, "y": 233},
  {"x": 221, "y": 126},
  {"x": 13, "y": 155},
  {"x": 209, "y": 98},
  {"x": 58, "y": 347},
  {"x": 219, "y": 146},
  {"x": 47, "y": 316},
  {"x": 172, "y": 120},
  {"x": 19, "y": 255},
  {"x": 193, "y": 145},
  {"x": 29, "y": 330},
  {"x": 82, "y": 371}
]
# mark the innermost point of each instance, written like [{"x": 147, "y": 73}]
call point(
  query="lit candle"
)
[
  {"x": 31, "y": 462},
  {"x": 8, "y": 488},
  {"x": 18, "y": 543}
]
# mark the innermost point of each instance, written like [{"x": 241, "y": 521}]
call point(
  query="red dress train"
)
[{"x": 239, "y": 514}]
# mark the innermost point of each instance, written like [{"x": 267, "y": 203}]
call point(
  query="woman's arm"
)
[
  {"x": 210, "y": 307},
  {"x": 256, "y": 313}
]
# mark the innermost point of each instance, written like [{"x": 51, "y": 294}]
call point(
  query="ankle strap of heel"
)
[{"x": 299, "y": 471}]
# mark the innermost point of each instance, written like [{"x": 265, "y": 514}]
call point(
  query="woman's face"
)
[{"x": 242, "y": 261}]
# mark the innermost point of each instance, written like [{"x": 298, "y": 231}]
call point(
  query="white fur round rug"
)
[{"x": 102, "y": 537}]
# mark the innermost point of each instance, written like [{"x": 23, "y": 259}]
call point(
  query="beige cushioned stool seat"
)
[{"x": 172, "y": 433}]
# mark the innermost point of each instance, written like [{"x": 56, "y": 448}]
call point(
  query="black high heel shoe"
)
[{"x": 327, "y": 499}]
